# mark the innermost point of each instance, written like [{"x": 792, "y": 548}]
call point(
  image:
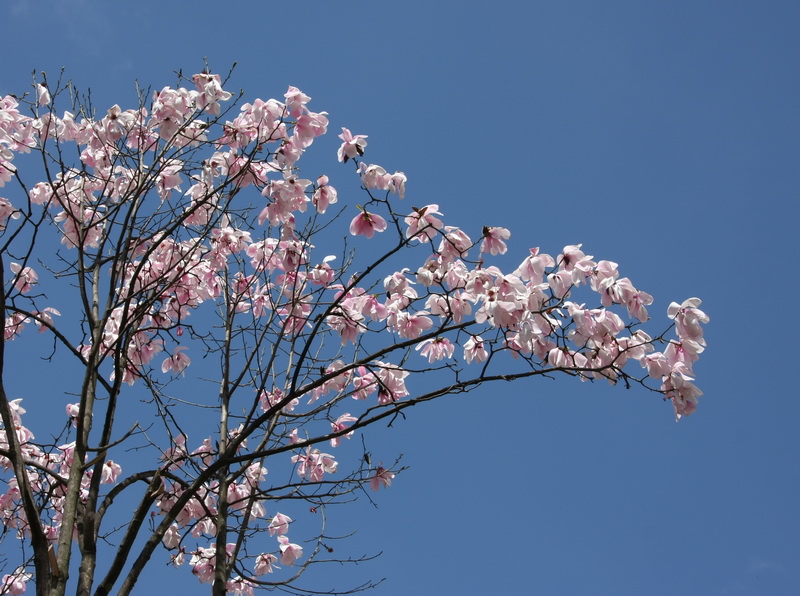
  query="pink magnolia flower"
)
[
  {"x": 688, "y": 318},
  {"x": 353, "y": 145},
  {"x": 325, "y": 195},
  {"x": 366, "y": 224},
  {"x": 172, "y": 537},
  {"x": 210, "y": 92},
  {"x": 169, "y": 178},
  {"x": 265, "y": 563},
  {"x": 296, "y": 100},
  {"x": 239, "y": 587},
  {"x": 178, "y": 558},
  {"x": 340, "y": 425},
  {"x": 177, "y": 362},
  {"x": 323, "y": 275},
  {"x": 203, "y": 562},
  {"x": 15, "y": 583},
  {"x": 25, "y": 279},
  {"x": 279, "y": 524},
  {"x": 308, "y": 127},
  {"x": 397, "y": 184},
  {"x": 683, "y": 393},
  {"x": 111, "y": 472},
  {"x": 382, "y": 478},
  {"x": 436, "y": 348},
  {"x": 533, "y": 267},
  {"x": 42, "y": 95},
  {"x": 313, "y": 465},
  {"x": 455, "y": 244},
  {"x": 391, "y": 383},
  {"x": 7, "y": 210},
  {"x": 494, "y": 240},
  {"x": 290, "y": 552},
  {"x": 574, "y": 260},
  {"x": 410, "y": 325},
  {"x": 14, "y": 325},
  {"x": 73, "y": 411},
  {"x": 475, "y": 350},
  {"x": 374, "y": 176},
  {"x": 422, "y": 224},
  {"x": 44, "y": 318}
]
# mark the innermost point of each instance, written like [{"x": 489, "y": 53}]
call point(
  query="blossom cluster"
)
[{"x": 195, "y": 241}]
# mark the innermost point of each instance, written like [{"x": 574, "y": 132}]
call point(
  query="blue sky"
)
[{"x": 663, "y": 136}]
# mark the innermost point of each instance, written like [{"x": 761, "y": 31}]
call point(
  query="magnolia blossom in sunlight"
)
[
  {"x": 381, "y": 479},
  {"x": 352, "y": 147},
  {"x": 177, "y": 362},
  {"x": 279, "y": 524},
  {"x": 15, "y": 583},
  {"x": 366, "y": 224},
  {"x": 494, "y": 240},
  {"x": 290, "y": 552},
  {"x": 475, "y": 350},
  {"x": 265, "y": 563},
  {"x": 25, "y": 278},
  {"x": 436, "y": 348}
]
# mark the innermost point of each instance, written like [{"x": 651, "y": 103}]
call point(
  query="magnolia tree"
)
[{"x": 217, "y": 336}]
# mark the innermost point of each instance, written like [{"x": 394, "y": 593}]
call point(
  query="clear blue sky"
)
[{"x": 661, "y": 135}]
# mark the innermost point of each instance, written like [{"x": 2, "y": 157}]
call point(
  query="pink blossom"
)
[
  {"x": 177, "y": 362},
  {"x": 397, "y": 184},
  {"x": 14, "y": 325},
  {"x": 265, "y": 563},
  {"x": 111, "y": 472},
  {"x": 25, "y": 278},
  {"x": 374, "y": 176},
  {"x": 15, "y": 583},
  {"x": 73, "y": 411},
  {"x": 255, "y": 473},
  {"x": 296, "y": 100},
  {"x": 436, "y": 348},
  {"x": 210, "y": 92},
  {"x": 475, "y": 350},
  {"x": 367, "y": 224},
  {"x": 391, "y": 382},
  {"x": 178, "y": 558},
  {"x": 42, "y": 95},
  {"x": 494, "y": 240},
  {"x": 364, "y": 384},
  {"x": 533, "y": 267},
  {"x": 422, "y": 225},
  {"x": 239, "y": 587},
  {"x": 172, "y": 537},
  {"x": 309, "y": 126},
  {"x": 279, "y": 524},
  {"x": 340, "y": 425},
  {"x": 455, "y": 244},
  {"x": 688, "y": 318},
  {"x": 678, "y": 388},
  {"x": 203, "y": 562},
  {"x": 7, "y": 210},
  {"x": 382, "y": 478},
  {"x": 313, "y": 464},
  {"x": 325, "y": 195},
  {"x": 322, "y": 275},
  {"x": 410, "y": 325},
  {"x": 169, "y": 178},
  {"x": 44, "y": 320},
  {"x": 290, "y": 552},
  {"x": 575, "y": 261},
  {"x": 352, "y": 146},
  {"x": 657, "y": 365}
]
